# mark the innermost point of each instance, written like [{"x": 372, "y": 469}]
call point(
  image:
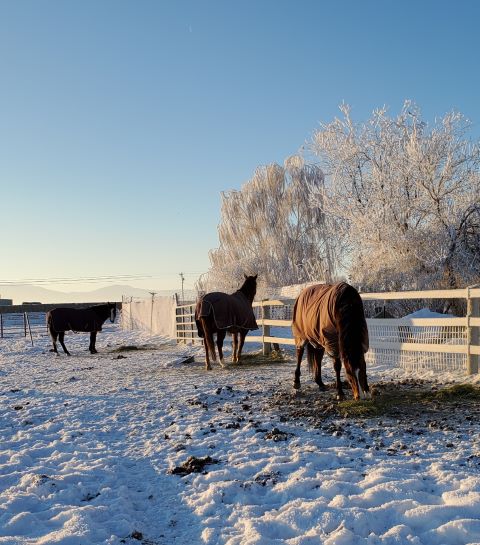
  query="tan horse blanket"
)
[
  {"x": 229, "y": 311},
  {"x": 315, "y": 315}
]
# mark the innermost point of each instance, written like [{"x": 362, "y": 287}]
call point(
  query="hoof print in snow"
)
[
  {"x": 90, "y": 496},
  {"x": 232, "y": 426},
  {"x": 136, "y": 535},
  {"x": 40, "y": 480},
  {"x": 120, "y": 357},
  {"x": 267, "y": 478},
  {"x": 197, "y": 402},
  {"x": 193, "y": 465},
  {"x": 277, "y": 435},
  {"x": 189, "y": 359}
]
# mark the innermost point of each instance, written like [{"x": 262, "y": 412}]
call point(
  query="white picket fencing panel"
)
[{"x": 442, "y": 344}]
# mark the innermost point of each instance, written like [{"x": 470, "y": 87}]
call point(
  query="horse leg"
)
[
  {"x": 235, "y": 347},
  {"x": 317, "y": 366},
  {"x": 300, "y": 348},
  {"x": 208, "y": 344},
  {"x": 337, "y": 365},
  {"x": 243, "y": 334},
  {"x": 54, "y": 336},
  {"x": 61, "y": 336},
  {"x": 93, "y": 338},
  {"x": 220, "y": 338}
]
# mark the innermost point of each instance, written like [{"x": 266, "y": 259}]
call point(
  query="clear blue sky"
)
[{"x": 122, "y": 121}]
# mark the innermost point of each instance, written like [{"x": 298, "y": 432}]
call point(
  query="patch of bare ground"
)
[
  {"x": 402, "y": 401},
  {"x": 134, "y": 348},
  {"x": 254, "y": 359}
]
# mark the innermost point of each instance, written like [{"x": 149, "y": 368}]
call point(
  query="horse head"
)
[
  {"x": 356, "y": 371},
  {"x": 249, "y": 287},
  {"x": 113, "y": 311}
]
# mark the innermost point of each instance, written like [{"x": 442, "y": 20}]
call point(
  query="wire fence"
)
[{"x": 22, "y": 324}]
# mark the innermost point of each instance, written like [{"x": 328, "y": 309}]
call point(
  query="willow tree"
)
[
  {"x": 269, "y": 227},
  {"x": 408, "y": 196}
]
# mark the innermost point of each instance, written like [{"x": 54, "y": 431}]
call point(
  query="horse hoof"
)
[
  {"x": 296, "y": 385},
  {"x": 322, "y": 387}
]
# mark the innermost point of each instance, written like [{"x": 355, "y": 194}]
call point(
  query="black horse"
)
[
  {"x": 89, "y": 319},
  {"x": 330, "y": 318},
  {"x": 220, "y": 313}
]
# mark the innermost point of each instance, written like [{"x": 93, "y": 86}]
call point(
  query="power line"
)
[
  {"x": 88, "y": 279},
  {"x": 69, "y": 280}
]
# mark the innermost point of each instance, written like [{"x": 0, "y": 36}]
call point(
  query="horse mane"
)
[
  {"x": 102, "y": 310},
  {"x": 249, "y": 287},
  {"x": 99, "y": 307},
  {"x": 350, "y": 335}
]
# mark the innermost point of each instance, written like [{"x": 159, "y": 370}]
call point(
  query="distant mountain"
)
[{"x": 31, "y": 293}]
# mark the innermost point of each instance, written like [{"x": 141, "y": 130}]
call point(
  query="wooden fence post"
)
[
  {"x": 29, "y": 328},
  {"x": 473, "y": 335},
  {"x": 25, "y": 323},
  {"x": 267, "y": 346},
  {"x": 192, "y": 326},
  {"x": 1, "y": 325},
  {"x": 177, "y": 335}
]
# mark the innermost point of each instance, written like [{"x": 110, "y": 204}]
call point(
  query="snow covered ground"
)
[{"x": 88, "y": 445}]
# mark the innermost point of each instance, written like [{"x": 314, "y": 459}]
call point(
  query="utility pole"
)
[
  {"x": 183, "y": 280},
  {"x": 152, "y": 293}
]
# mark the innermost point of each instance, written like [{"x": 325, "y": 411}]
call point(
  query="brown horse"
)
[
  {"x": 220, "y": 313},
  {"x": 330, "y": 317},
  {"x": 89, "y": 319}
]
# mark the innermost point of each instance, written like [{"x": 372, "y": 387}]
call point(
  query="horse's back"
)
[
  {"x": 227, "y": 310},
  {"x": 314, "y": 315},
  {"x": 63, "y": 319}
]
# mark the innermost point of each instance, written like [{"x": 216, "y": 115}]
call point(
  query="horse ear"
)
[
  {"x": 255, "y": 276},
  {"x": 245, "y": 276}
]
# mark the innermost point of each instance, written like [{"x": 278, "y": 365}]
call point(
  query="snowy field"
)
[{"x": 92, "y": 449}]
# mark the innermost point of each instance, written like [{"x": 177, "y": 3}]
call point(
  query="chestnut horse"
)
[
  {"x": 330, "y": 317},
  {"x": 220, "y": 313}
]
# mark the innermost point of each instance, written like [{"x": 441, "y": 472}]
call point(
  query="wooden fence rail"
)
[{"x": 450, "y": 343}]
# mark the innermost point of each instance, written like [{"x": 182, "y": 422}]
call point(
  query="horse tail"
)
[
  {"x": 49, "y": 320},
  {"x": 198, "y": 321},
  {"x": 50, "y": 328},
  {"x": 310, "y": 357}
]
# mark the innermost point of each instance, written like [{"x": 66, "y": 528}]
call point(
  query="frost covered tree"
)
[
  {"x": 269, "y": 228},
  {"x": 407, "y": 195}
]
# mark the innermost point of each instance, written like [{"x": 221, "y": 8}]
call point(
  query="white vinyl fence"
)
[
  {"x": 155, "y": 315},
  {"x": 443, "y": 344}
]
